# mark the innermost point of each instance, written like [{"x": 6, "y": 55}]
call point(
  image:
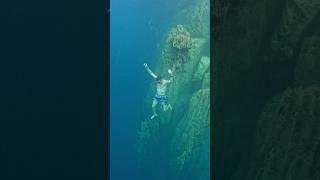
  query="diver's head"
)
[{"x": 159, "y": 79}]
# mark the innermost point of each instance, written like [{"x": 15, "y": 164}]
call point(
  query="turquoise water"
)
[
  {"x": 138, "y": 32},
  {"x": 137, "y": 28}
]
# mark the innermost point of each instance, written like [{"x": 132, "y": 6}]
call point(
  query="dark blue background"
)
[{"x": 54, "y": 94}]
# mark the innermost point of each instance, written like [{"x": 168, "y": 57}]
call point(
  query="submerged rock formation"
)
[
  {"x": 203, "y": 67},
  {"x": 191, "y": 141},
  {"x": 179, "y": 38},
  {"x": 200, "y": 18},
  {"x": 297, "y": 15},
  {"x": 178, "y": 44},
  {"x": 307, "y": 70},
  {"x": 266, "y": 95},
  {"x": 288, "y": 136},
  {"x": 177, "y": 143}
]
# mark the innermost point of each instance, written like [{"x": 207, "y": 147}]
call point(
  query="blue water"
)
[{"x": 137, "y": 30}]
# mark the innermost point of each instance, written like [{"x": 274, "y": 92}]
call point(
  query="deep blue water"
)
[{"x": 137, "y": 29}]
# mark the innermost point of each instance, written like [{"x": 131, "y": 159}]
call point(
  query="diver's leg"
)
[
  {"x": 164, "y": 103},
  {"x": 154, "y": 105},
  {"x": 166, "y": 106}
]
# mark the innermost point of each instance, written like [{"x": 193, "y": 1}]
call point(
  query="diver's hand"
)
[
  {"x": 145, "y": 65},
  {"x": 170, "y": 71}
]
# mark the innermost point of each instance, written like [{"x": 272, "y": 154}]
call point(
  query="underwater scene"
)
[
  {"x": 266, "y": 90},
  {"x": 160, "y": 89}
]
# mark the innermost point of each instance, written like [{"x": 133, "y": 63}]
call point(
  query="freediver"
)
[{"x": 160, "y": 96}]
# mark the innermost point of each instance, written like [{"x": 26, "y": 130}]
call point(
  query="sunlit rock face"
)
[
  {"x": 177, "y": 142},
  {"x": 206, "y": 81},
  {"x": 200, "y": 18},
  {"x": 191, "y": 141},
  {"x": 179, "y": 38},
  {"x": 203, "y": 67}
]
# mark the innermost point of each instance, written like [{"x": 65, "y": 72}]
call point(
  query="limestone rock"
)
[
  {"x": 206, "y": 81},
  {"x": 288, "y": 137},
  {"x": 307, "y": 71},
  {"x": 295, "y": 18},
  {"x": 201, "y": 19},
  {"x": 191, "y": 139},
  {"x": 179, "y": 38},
  {"x": 203, "y": 67}
]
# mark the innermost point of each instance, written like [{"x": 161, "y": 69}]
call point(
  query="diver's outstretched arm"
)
[
  {"x": 171, "y": 75},
  {"x": 149, "y": 70}
]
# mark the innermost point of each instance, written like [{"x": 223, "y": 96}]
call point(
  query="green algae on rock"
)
[
  {"x": 288, "y": 141},
  {"x": 200, "y": 19},
  {"x": 190, "y": 100},
  {"x": 179, "y": 141},
  {"x": 179, "y": 38},
  {"x": 267, "y": 53},
  {"x": 178, "y": 44},
  {"x": 307, "y": 71},
  {"x": 296, "y": 16},
  {"x": 203, "y": 67},
  {"x": 206, "y": 81},
  {"x": 147, "y": 133},
  {"x": 191, "y": 139}
]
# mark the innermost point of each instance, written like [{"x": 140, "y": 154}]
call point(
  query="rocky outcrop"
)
[
  {"x": 206, "y": 81},
  {"x": 183, "y": 86},
  {"x": 266, "y": 87},
  {"x": 203, "y": 67},
  {"x": 191, "y": 141},
  {"x": 179, "y": 38},
  {"x": 177, "y": 142},
  {"x": 296, "y": 18},
  {"x": 288, "y": 136},
  {"x": 200, "y": 26},
  {"x": 177, "y": 49},
  {"x": 307, "y": 70}
]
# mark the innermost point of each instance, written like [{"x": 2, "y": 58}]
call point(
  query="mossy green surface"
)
[
  {"x": 183, "y": 133},
  {"x": 288, "y": 138},
  {"x": 266, "y": 74},
  {"x": 191, "y": 139}
]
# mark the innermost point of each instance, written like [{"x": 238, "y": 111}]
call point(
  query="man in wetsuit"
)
[{"x": 160, "y": 96}]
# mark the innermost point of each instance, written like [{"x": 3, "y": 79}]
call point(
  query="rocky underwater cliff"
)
[
  {"x": 265, "y": 89},
  {"x": 176, "y": 144},
  {"x": 267, "y": 96}
]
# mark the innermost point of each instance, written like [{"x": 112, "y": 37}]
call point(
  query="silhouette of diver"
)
[{"x": 160, "y": 96}]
